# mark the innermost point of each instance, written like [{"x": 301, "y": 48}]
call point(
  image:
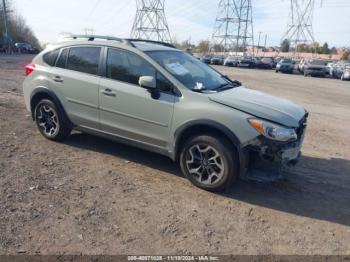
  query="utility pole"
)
[
  {"x": 265, "y": 44},
  {"x": 150, "y": 22},
  {"x": 234, "y": 25},
  {"x": 6, "y": 34},
  {"x": 258, "y": 43},
  {"x": 300, "y": 24}
]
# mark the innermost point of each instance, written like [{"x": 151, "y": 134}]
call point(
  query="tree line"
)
[
  {"x": 313, "y": 48},
  {"x": 18, "y": 29}
]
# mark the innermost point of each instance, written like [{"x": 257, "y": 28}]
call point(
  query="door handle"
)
[
  {"x": 108, "y": 92},
  {"x": 57, "y": 79}
]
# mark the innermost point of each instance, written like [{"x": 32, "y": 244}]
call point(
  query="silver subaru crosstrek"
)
[{"x": 151, "y": 95}]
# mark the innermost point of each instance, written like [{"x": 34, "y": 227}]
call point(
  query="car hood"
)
[{"x": 261, "y": 105}]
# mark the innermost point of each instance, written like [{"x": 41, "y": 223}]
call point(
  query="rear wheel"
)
[
  {"x": 209, "y": 163},
  {"x": 50, "y": 121}
]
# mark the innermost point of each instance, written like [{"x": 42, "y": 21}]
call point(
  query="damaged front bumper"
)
[{"x": 267, "y": 160}]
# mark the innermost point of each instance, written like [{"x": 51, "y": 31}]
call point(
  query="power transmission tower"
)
[
  {"x": 299, "y": 28},
  {"x": 234, "y": 25},
  {"x": 150, "y": 22}
]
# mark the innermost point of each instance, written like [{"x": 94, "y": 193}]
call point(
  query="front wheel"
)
[
  {"x": 50, "y": 121},
  {"x": 209, "y": 163}
]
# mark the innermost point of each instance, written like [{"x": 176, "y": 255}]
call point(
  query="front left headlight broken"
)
[{"x": 273, "y": 131}]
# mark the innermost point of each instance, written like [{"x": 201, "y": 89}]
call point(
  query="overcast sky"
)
[{"x": 186, "y": 18}]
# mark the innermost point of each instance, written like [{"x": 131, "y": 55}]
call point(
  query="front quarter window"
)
[{"x": 188, "y": 70}]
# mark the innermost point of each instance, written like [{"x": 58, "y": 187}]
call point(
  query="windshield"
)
[
  {"x": 287, "y": 61},
  {"x": 317, "y": 62},
  {"x": 193, "y": 74},
  {"x": 266, "y": 60}
]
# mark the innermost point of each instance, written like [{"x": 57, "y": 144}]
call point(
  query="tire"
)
[
  {"x": 50, "y": 121},
  {"x": 209, "y": 173}
]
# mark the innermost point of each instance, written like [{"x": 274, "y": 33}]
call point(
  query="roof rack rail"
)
[
  {"x": 93, "y": 37},
  {"x": 150, "y": 41},
  {"x": 128, "y": 41}
]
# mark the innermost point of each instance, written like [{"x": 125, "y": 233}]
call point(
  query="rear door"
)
[
  {"x": 128, "y": 110},
  {"x": 75, "y": 80}
]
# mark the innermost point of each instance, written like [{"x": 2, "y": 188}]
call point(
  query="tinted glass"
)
[
  {"x": 84, "y": 59},
  {"x": 163, "y": 84},
  {"x": 61, "y": 62},
  {"x": 127, "y": 67},
  {"x": 50, "y": 58}
]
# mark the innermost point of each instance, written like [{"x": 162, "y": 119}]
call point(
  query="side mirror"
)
[{"x": 149, "y": 82}]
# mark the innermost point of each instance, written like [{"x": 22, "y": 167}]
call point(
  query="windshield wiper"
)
[
  {"x": 224, "y": 87},
  {"x": 236, "y": 83}
]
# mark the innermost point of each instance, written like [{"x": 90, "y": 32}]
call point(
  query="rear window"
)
[
  {"x": 50, "y": 57},
  {"x": 84, "y": 59}
]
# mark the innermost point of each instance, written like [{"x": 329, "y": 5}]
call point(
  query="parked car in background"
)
[
  {"x": 246, "y": 61},
  {"x": 231, "y": 61},
  {"x": 339, "y": 68},
  {"x": 206, "y": 59},
  {"x": 217, "y": 60},
  {"x": 315, "y": 67},
  {"x": 329, "y": 68},
  {"x": 285, "y": 65},
  {"x": 301, "y": 65},
  {"x": 266, "y": 63},
  {"x": 346, "y": 73}
]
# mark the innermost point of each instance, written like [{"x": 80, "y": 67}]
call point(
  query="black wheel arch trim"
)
[
  {"x": 207, "y": 122},
  {"x": 55, "y": 99}
]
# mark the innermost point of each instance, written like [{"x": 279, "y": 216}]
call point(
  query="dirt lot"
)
[{"x": 93, "y": 196}]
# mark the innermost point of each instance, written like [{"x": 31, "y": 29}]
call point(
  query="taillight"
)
[{"x": 29, "y": 69}]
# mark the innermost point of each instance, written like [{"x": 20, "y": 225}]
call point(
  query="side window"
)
[
  {"x": 62, "y": 60},
  {"x": 163, "y": 84},
  {"x": 127, "y": 67},
  {"x": 84, "y": 59},
  {"x": 50, "y": 58}
]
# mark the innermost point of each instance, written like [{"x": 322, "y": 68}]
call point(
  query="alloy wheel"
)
[
  {"x": 48, "y": 120},
  {"x": 205, "y": 164}
]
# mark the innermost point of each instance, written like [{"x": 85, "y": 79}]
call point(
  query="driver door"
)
[{"x": 128, "y": 110}]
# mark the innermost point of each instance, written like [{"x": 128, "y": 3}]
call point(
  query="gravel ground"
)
[{"x": 92, "y": 196}]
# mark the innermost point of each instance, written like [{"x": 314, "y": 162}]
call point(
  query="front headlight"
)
[{"x": 273, "y": 131}]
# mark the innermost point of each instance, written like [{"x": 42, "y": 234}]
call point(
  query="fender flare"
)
[
  {"x": 204, "y": 122},
  {"x": 54, "y": 98}
]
